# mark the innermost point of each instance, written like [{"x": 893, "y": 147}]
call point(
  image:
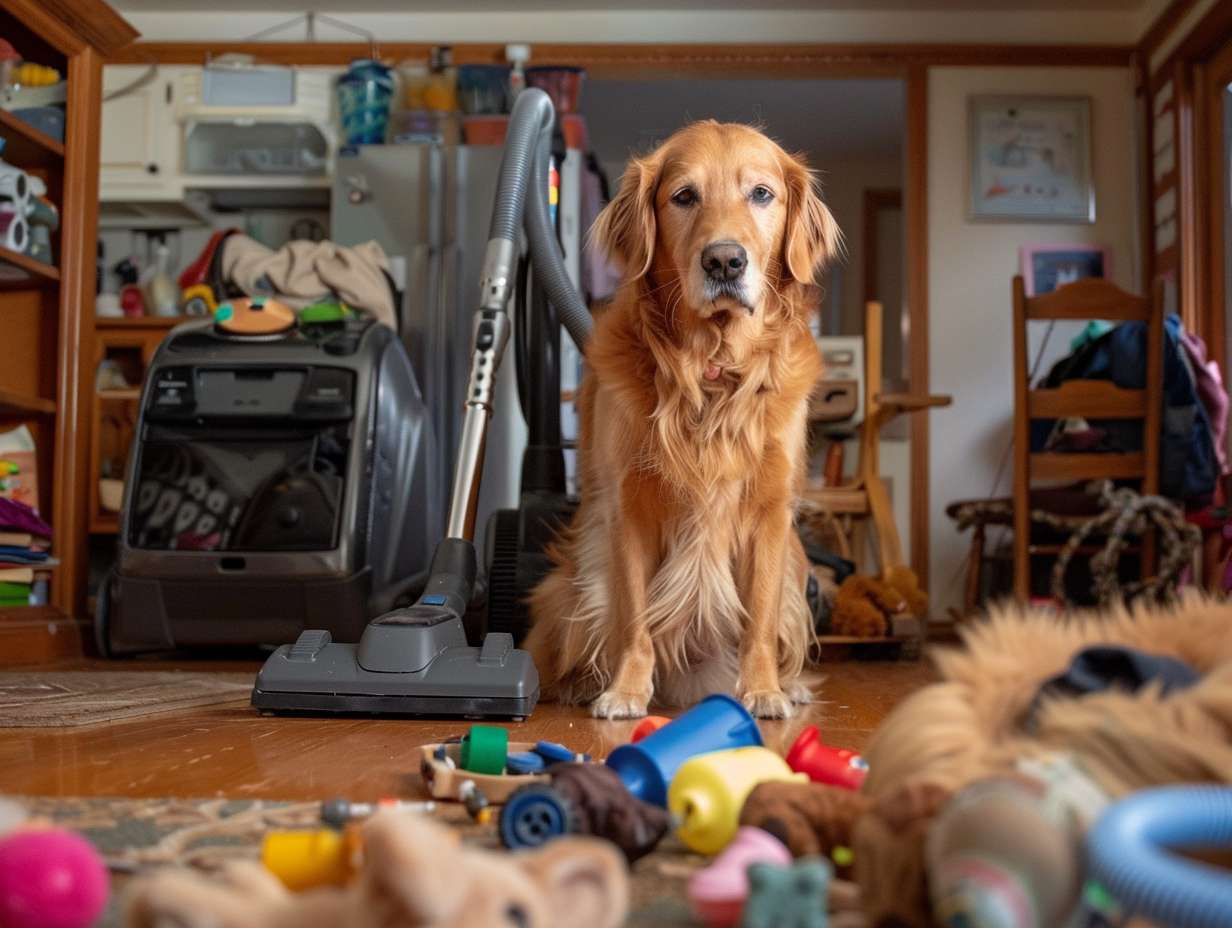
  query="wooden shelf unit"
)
[
  {"x": 38, "y": 273},
  {"x": 28, "y": 145},
  {"x": 46, "y": 308},
  {"x": 142, "y": 322}
]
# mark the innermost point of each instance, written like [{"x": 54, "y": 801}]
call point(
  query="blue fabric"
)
[{"x": 1188, "y": 467}]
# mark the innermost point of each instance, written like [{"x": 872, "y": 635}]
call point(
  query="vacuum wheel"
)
[
  {"x": 102, "y": 616},
  {"x": 534, "y": 814}
]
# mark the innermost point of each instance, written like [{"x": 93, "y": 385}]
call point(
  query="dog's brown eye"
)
[
  {"x": 685, "y": 197},
  {"x": 761, "y": 194}
]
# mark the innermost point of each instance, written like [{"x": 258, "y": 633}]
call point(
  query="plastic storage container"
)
[
  {"x": 483, "y": 89},
  {"x": 562, "y": 84},
  {"x": 364, "y": 94}
]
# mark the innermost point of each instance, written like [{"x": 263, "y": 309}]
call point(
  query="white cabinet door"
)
[{"x": 138, "y": 143}]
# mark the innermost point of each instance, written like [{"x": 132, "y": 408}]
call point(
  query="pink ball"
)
[{"x": 50, "y": 878}]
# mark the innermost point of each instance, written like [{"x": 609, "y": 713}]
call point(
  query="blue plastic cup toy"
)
[{"x": 717, "y": 723}]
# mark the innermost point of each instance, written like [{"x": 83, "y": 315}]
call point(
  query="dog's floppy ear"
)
[
  {"x": 626, "y": 227},
  {"x": 812, "y": 237}
]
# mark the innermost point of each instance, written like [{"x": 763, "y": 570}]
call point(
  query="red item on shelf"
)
[
  {"x": 822, "y": 763},
  {"x": 199, "y": 271},
  {"x": 132, "y": 301}
]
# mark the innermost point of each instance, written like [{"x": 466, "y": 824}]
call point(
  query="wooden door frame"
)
[{"x": 1209, "y": 79}]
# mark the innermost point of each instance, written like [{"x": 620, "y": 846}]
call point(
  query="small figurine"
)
[{"x": 788, "y": 896}]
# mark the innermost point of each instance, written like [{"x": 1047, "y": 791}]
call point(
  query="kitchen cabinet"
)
[{"x": 139, "y": 157}]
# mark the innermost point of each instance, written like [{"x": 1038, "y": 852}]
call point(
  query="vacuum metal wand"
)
[{"x": 491, "y": 336}]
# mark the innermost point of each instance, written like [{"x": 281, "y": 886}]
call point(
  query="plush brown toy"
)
[
  {"x": 904, "y": 582},
  {"x": 863, "y": 607},
  {"x": 983, "y": 720},
  {"x": 811, "y": 819},
  {"x": 415, "y": 874}
]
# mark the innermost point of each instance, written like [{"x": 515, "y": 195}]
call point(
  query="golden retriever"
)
[{"x": 680, "y": 574}]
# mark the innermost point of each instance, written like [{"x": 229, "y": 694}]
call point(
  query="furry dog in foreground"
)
[{"x": 680, "y": 574}]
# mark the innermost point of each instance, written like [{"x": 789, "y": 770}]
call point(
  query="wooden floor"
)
[{"x": 233, "y": 751}]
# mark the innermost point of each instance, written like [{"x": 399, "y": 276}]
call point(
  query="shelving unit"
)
[{"x": 45, "y": 308}]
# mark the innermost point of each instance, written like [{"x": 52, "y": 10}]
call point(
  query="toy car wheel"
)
[{"x": 533, "y": 815}]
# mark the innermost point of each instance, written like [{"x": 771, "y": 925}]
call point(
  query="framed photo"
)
[
  {"x": 1046, "y": 267},
  {"x": 1031, "y": 158}
]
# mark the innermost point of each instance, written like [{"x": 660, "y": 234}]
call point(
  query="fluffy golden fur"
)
[
  {"x": 970, "y": 726},
  {"x": 680, "y": 574}
]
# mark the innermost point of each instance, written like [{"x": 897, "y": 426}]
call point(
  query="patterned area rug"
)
[
  {"x": 68, "y": 698},
  {"x": 135, "y": 834}
]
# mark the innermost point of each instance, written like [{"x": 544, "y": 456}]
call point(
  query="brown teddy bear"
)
[
  {"x": 864, "y": 606},
  {"x": 415, "y": 873}
]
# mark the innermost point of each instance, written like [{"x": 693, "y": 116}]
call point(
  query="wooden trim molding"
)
[
  {"x": 915, "y": 225},
  {"x": 71, "y": 25},
  {"x": 620, "y": 58},
  {"x": 1168, "y": 19},
  {"x": 78, "y": 238}
]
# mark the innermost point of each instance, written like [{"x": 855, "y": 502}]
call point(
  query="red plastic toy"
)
[
  {"x": 648, "y": 726},
  {"x": 825, "y": 764}
]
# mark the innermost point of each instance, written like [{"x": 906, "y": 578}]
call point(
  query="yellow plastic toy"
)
[
  {"x": 708, "y": 792},
  {"x": 29, "y": 74},
  {"x": 306, "y": 859}
]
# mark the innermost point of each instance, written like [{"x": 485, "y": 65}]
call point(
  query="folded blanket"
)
[{"x": 303, "y": 272}]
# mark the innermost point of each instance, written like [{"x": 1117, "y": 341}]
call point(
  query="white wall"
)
[{"x": 970, "y": 269}]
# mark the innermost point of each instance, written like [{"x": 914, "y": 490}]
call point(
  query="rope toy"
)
[{"x": 1129, "y": 513}]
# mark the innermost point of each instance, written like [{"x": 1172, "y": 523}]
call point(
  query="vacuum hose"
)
[
  {"x": 1130, "y": 854},
  {"x": 527, "y": 151},
  {"x": 525, "y": 161}
]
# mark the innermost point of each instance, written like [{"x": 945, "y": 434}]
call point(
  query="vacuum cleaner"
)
[
  {"x": 281, "y": 479},
  {"x": 416, "y": 660}
]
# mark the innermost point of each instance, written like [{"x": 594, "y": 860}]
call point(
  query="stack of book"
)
[{"x": 24, "y": 561}]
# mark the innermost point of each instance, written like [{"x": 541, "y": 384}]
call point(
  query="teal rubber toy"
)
[
  {"x": 224, "y": 312},
  {"x": 794, "y": 895},
  {"x": 485, "y": 749}
]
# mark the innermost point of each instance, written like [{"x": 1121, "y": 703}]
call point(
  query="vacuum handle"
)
[{"x": 491, "y": 335}]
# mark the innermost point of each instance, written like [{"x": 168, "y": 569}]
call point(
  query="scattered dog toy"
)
[
  {"x": 708, "y": 792},
  {"x": 716, "y": 723},
  {"x": 717, "y": 892},
  {"x": 50, "y": 878},
  {"x": 825, "y": 764},
  {"x": 306, "y": 859},
  {"x": 793, "y": 895},
  {"x": 477, "y": 805},
  {"x": 484, "y": 749},
  {"x": 524, "y": 762},
  {"x": 648, "y": 726},
  {"x": 555, "y": 753},
  {"x": 582, "y": 799},
  {"x": 440, "y": 765},
  {"x": 341, "y": 812},
  {"x": 810, "y": 818}
]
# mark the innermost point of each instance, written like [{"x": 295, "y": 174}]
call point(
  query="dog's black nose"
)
[{"x": 724, "y": 260}]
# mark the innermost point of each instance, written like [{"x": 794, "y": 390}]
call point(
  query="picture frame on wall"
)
[
  {"x": 1046, "y": 267},
  {"x": 1030, "y": 159}
]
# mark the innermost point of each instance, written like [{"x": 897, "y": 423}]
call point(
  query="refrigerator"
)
[{"x": 429, "y": 206}]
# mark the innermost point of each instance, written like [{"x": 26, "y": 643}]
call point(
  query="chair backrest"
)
[{"x": 1090, "y": 298}]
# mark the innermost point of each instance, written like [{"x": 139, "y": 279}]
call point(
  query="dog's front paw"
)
[
  {"x": 615, "y": 704},
  {"x": 768, "y": 704},
  {"x": 798, "y": 692}
]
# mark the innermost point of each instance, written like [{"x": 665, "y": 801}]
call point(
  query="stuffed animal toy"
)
[
  {"x": 863, "y": 607},
  {"x": 986, "y": 719},
  {"x": 415, "y": 873},
  {"x": 903, "y": 581},
  {"x": 811, "y": 822}
]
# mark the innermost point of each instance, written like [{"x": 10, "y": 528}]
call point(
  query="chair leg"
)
[{"x": 975, "y": 572}]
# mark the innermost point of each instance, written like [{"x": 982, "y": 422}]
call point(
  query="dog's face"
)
[{"x": 724, "y": 214}]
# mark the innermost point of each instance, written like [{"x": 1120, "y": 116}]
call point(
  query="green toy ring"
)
[{"x": 485, "y": 749}]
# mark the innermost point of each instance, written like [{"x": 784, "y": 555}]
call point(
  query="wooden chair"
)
[
  {"x": 1086, "y": 299},
  {"x": 866, "y": 498}
]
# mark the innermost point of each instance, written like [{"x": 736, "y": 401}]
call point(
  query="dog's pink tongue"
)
[{"x": 713, "y": 371}]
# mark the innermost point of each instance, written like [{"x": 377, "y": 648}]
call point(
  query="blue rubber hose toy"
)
[{"x": 1132, "y": 853}]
